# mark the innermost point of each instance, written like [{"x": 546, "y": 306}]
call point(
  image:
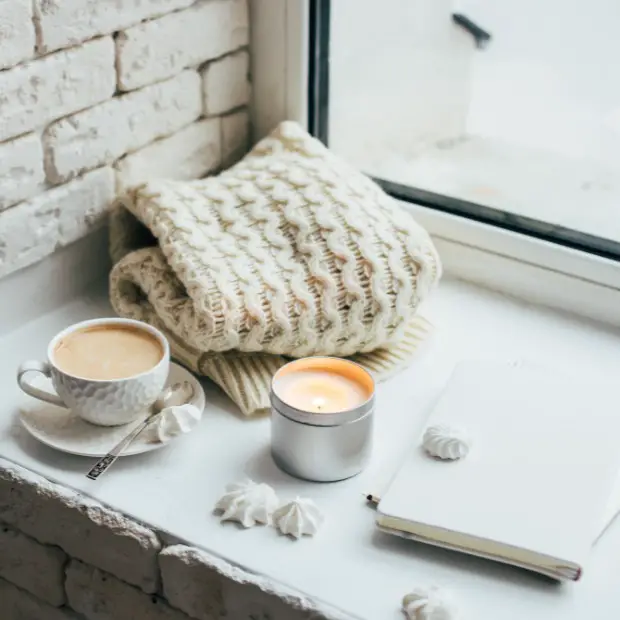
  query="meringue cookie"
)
[
  {"x": 428, "y": 604},
  {"x": 171, "y": 422},
  {"x": 445, "y": 442},
  {"x": 247, "y": 503},
  {"x": 298, "y": 518}
]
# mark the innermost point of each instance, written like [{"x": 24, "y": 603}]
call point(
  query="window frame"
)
[{"x": 544, "y": 264}]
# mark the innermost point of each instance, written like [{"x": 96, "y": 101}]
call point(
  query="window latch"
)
[{"x": 481, "y": 36}]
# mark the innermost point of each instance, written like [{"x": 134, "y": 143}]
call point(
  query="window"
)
[{"x": 507, "y": 113}]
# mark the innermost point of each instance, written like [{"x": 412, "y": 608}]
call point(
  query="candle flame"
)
[{"x": 318, "y": 403}]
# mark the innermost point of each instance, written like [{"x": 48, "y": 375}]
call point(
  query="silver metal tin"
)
[{"x": 323, "y": 447}]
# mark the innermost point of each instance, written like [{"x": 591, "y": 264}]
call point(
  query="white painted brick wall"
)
[
  {"x": 17, "y": 604},
  {"x": 40, "y": 569},
  {"x": 111, "y": 550},
  {"x": 59, "y": 84},
  {"x": 226, "y": 83},
  {"x": 160, "y": 48},
  {"x": 81, "y": 527},
  {"x": 62, "y": 23},
  {"x": 100, "y": 596},
  {"x": 51, "y": 220},
  {"x": 102, "y": 134},
  {"x": 17, "y": 38},
  {"x": 21, "y": 170},
  {"x": 191, "y": 583},
  {"x": 62, "y": 117},
  {"x": 235, "y": 136},
  {"x": 190, "y": 153},
  {"x": 206, "y": 587}
]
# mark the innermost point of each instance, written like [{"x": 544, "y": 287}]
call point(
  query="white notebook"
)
[{"x": 537, "y": 484}]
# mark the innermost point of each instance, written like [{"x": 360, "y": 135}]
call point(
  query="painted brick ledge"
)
[
  {"x": 80, "y": 526},
  {"x": 196, "y": 583}
]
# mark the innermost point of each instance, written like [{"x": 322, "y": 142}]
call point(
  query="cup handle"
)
[{"x": 45, "y": 369}]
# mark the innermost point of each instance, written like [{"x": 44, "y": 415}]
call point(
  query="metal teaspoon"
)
[{"x": 177, "y": 394}]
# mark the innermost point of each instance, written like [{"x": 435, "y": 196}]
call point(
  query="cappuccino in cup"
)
[
  {"x": 108, "y": 371},
  {"x": 106, "y": 352}
]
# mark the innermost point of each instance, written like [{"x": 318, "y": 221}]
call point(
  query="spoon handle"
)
[{"x": 106, "y": 461}]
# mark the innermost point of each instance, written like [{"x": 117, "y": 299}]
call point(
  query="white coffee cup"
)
[{"x": 105, "y": 403}]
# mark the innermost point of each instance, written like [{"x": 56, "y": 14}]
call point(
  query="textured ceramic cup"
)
[{"x": 105, "y": 403}]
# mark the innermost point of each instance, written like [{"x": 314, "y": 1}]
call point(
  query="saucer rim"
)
[{"x": 138, "y": 448}]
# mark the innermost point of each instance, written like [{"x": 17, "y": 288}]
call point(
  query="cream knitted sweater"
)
[{"x": 289, "y": 253}]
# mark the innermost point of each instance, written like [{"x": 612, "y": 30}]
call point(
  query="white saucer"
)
[{"x": 63, "y": 430}]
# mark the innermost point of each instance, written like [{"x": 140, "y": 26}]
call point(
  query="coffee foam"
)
[{"x": 107, "y": 352}]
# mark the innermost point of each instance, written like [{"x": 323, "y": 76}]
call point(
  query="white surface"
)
[
  {"x": 48, "y": 284},
  {"x": 278, "y": 64},
  {"x": 349, "y": 563},
  {"x": 61, "y": 429},
  {"x": 545, "y": 463},
  {"x": 521, "y": 266}
]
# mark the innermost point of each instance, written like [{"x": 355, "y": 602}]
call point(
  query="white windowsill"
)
[{"x": 349, "y": 565}]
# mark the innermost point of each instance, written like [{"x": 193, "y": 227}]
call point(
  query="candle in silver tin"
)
[{"x": 322, "y": 418}]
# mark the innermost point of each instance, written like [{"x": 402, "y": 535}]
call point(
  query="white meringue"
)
[
  {"x": 171, "y": 422},
  {"x": 247, "y": 503},
  {"x": 298, "y": 518},
  {"x": 445, "y": 442},
  {"x": 428, "y": 604}
]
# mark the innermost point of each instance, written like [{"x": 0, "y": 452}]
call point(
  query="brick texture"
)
[
  {"x": 206, "y": 587},
  {"x": 70, "y": 141},
  {"x": 17, "y": 604},
  {"x": 160, "y": 48},
  {"x": 83, "y": 528},
  {"x": 102, "y": 134},
  {"x": 226, "y": 83},
  {"x": 21, "y": 170},
  {"x": 189, "y": 154},
  {"x": 38, "y": 568},
  {"x": 61, "y": 23},
  {"x": 101, "y": 596},
  {"x": 45, "y": 89},
  {"x": 34, "y": 229},
  {"x": 191, "y": 583},
  {"x": 16, "y": 32},
  {"x": 235, "y": 137}
]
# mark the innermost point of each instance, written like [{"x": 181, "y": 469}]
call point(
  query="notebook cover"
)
[{"x": 544, "y": 460}]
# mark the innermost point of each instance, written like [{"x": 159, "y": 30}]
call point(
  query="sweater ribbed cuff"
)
[{"x": 246, "y": 377}]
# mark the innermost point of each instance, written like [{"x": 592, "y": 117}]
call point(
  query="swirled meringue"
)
[
  {"x": 171, "y": 422},
  {"x": 247, "y": 503},
  {"x": 445, "y": 442},
  {"x": 298, "y": 518},
  {"x": 428, "y": 604}
]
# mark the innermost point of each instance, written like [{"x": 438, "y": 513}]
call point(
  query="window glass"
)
[{"x": 525, "y": 121}]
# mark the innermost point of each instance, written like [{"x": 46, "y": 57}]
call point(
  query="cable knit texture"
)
[{"x": 291, "y": 252}]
